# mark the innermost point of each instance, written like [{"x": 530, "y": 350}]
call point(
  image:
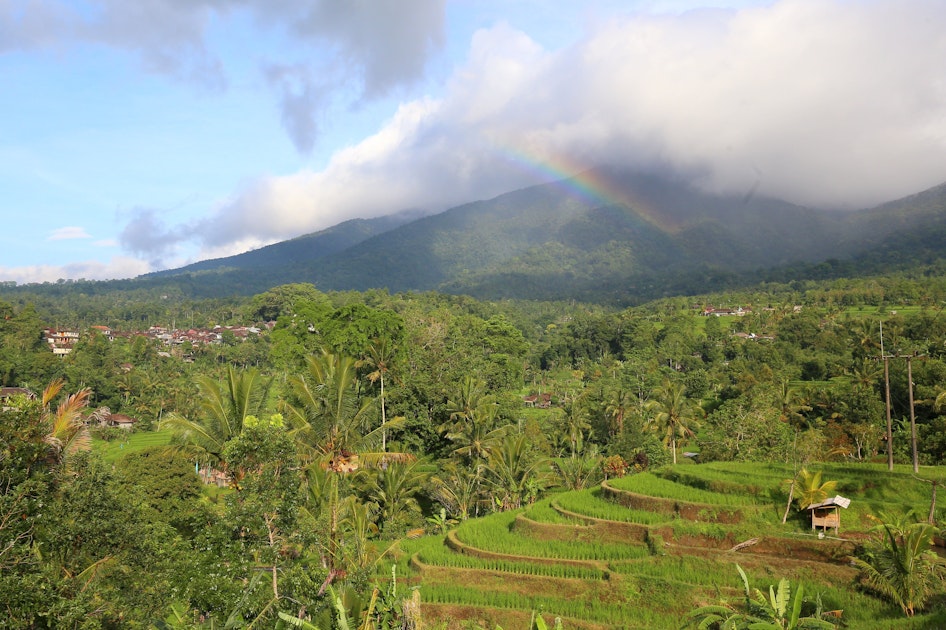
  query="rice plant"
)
[
  {"x": 652, "y": 485},
  {"x": 493, "y": 534},
  {"x": 441, "y": 556},
  {"x": 591, "y": 503}
]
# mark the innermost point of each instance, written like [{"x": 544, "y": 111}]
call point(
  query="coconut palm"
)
[
  {"x": 222, "y": 410},
  {"x": 66, "y": 432},
  {"x": 674, "y": 414},
  {"x": 903, "y": 567},
  {"x": 331, "y": 424},
  {"x": 380, "y": 356},
  {"x": 809, "y": 489},
  {"x": 514, "y": 471},
  {"x": 457, "y": 489},
  {"x": 331, "y": 417},
  {"x": 473, "y": 419},
  {"x": 621, "y": 403},
  {"x": 792, "y": 403},
  {"x": 394, "y": 489}
]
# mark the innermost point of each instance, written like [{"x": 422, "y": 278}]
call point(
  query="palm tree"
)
[
  {"x": 457, "y": 489},
  {"x": 674, "y": 414},
  {"x": 380, "y": 355},
  {"x": 575, "y": 423},
  {"x": 514, "y": 470},
  {"x": 792, "y": 403},
  {"x": 903, "y": 567},
  {"x": 222, "y": 411},
  {"x": 394, "y": 489},
  {"x": 617, "y": 409},
  {"x": 809, "y": 488},
  {"x": 474, "y": 417},
  {"x": 66, "y": 432},
  {"x": 330, "y": 420},
  {"x": 470, "y": 397}
]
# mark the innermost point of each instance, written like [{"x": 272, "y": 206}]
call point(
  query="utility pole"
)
[
  {"x": 916, "y": 463},
  {"x": 909, "y": 357},
  {"x": 887, "y": 398},
  {"x": 889, "y": 422}
]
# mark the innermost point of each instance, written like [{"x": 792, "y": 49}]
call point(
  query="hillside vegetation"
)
[{"x": 378, "y": 460}]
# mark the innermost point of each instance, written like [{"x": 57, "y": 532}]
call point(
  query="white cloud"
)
[
  {"x": 117, "y": 267},
  {"x": 68, "y": 233},
  {"x": 366, "y": 48},
  {"x": 820, "y": 102}
]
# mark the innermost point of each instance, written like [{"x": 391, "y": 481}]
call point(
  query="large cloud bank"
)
[{"x": 820, "y": 102}]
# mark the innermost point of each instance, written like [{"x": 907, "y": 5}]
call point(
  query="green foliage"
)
[
  {"x": 775, "y": 611},
  {"x": 745, "y": 430},
  {"x": 809, "y": 489},
  {"x": 902, "y": 566}
]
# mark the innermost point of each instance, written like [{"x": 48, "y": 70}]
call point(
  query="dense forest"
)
[{"x": 352, "y": 421}]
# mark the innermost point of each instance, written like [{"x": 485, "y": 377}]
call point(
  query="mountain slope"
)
[
  {"x": 303, "y": 249},
  {"x": 646, "y": 236}
]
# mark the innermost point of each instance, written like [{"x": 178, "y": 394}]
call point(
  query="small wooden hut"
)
[{"x": 827, "y": 514}]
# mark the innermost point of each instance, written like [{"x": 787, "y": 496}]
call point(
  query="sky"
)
[{"x": 138, "y": 136}]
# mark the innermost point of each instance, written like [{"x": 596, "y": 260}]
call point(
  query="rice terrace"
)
[{"x": 649, "y": 549}]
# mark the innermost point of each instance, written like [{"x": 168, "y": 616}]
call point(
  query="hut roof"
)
[{"x": 836, "y": 501}]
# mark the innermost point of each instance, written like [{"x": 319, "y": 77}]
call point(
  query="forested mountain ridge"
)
[
  {"x": 633, "y": 238},
  {"x": 646, "y": 236},
  {"x": 309, "y": 247}
]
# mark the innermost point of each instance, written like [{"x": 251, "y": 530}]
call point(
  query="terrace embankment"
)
[
  {"x": 460, "y": 547},
  {"x": 672, "y": 507},
  {"x": 598, "y": 531}
]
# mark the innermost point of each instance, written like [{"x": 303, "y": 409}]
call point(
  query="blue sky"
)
[{"x": 142, "y": 135}]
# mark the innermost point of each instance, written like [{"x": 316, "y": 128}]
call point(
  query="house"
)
[
  {"x": 827, "y": 514},
  {"x": 9, "y": 392},
  {"x": 104, "y": 331},
  {"x": 121, "y": 421},
  {"x": 61, "y": 341}
]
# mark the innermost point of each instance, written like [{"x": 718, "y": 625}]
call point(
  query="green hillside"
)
[{"x": 646, "y": 550}]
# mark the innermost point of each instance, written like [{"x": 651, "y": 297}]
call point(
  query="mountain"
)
[
  {"x": 305, "y": 249},
  {"x": 637, "y": 236}
]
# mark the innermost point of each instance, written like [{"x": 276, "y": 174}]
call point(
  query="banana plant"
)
[{"x": 777, "y": 610}]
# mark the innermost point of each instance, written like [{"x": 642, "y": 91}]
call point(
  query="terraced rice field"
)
[{"x": 600, "y": 560}]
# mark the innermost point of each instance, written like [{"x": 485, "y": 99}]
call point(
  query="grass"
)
[
  {"x": 494, "y": 533},
  {"x": 590, "y": 503},
  {"x": 687, "y": 563},
  {"x": 440, "y": 555},
  {"x": 650, "y": 484},
  {"x": 114, "y": 450}
]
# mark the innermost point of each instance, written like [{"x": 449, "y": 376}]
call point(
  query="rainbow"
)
[{"x": 589, "y": 184}]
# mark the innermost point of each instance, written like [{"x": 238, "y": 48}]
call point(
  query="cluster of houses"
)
[
  {"x": 62, "y": 341},
  {"x": 102, "y": 417},
  {"x": 710, "y": 311}
]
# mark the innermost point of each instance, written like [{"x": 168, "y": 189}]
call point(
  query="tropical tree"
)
[
  {"x": 473, "y": 419},
  {"x": 674, "y": 414},
  {"x": 578, "y": 473},
  {"x": 622, "y": 401},
  {"x": 222, "y": 411},
  {"x": 331, "y": 424},
  {"x": 903, "y": 567},
  {"x": 330, "y": 416},
  {"x": 777, "y": 610},
  {"x": 66, "y": 433},
  {"x": 380, "y": 356},
  {"x": 457, "y": 489},
  {"x": 394, "y": 488},
  {"x": 809, "y": 489},
  {"x": 792, "y": 404},
  {"x": 514, "y": 471}
]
